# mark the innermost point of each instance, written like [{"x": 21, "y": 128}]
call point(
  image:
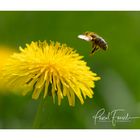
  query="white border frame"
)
[
  {"x": 98, "y": 5},
  {"x": 69, "y": 134}
]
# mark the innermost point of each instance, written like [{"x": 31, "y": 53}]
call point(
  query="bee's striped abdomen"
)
[{"x": 101, "y": 43}]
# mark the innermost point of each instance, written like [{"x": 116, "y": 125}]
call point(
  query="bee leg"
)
[{"x": 95, "y": 48}]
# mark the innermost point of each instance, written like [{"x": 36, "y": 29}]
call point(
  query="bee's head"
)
[{"x": 90, "y": 34}]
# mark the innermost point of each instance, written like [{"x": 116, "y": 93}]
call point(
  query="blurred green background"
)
[{"x": 119, "y": 66}]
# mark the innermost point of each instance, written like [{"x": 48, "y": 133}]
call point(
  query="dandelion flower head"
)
[
  {"x": 5, "y": 51},
  {"x": 50, "y": 68}
]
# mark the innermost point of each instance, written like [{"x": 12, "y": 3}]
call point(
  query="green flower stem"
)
[{"x": 37, "y": 120}]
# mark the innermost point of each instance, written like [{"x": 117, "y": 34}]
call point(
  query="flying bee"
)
[{"x": 97, "y": 41}]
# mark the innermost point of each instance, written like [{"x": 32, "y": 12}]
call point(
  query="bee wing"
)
[{"x": 84, "y": 37}]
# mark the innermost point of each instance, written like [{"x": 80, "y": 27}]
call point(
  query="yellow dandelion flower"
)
[
  {"x": 5, "y": 52},
  {"x": 53, "y": 69}
]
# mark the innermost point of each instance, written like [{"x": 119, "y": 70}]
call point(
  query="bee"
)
[{"x": 97, "y": 41}]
